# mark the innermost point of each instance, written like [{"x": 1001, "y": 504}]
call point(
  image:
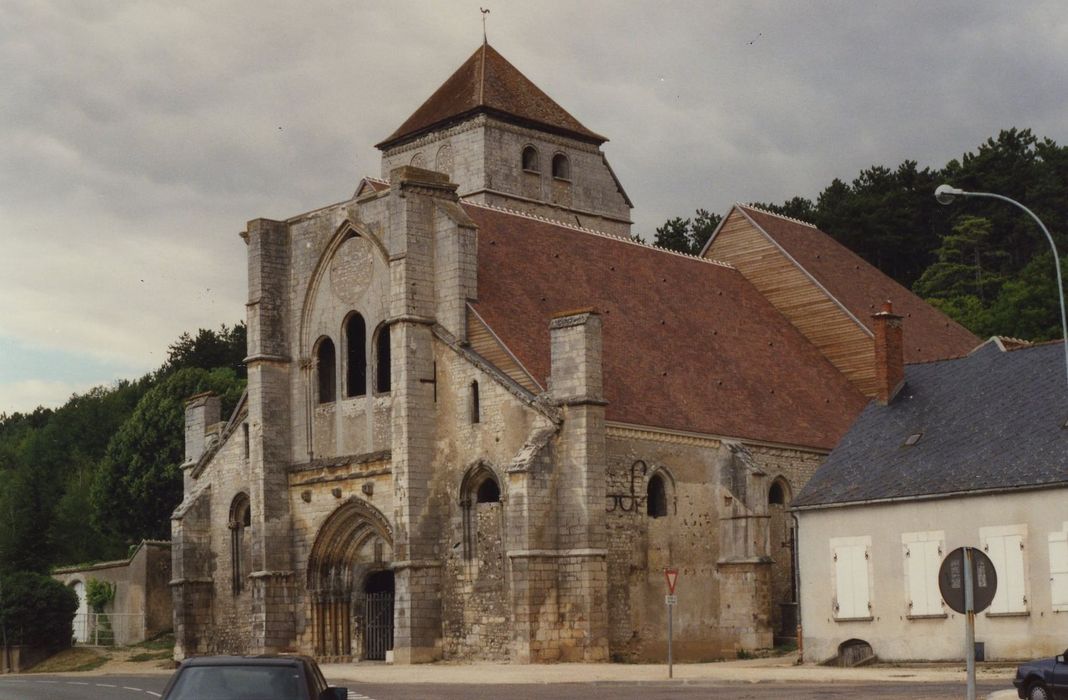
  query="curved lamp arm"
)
[{"x": 946, "y": 194}]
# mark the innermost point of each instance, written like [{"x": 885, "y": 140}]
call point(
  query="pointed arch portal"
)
[{"x": 350, "y": 584}]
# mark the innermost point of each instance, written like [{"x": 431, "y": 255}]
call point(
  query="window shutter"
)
[
  {"x": 1006, "y": 553},
  {"x": 915, "y": 571},
  {"x": 851, "y": 581},
  {"x": 1014, "y": 563},
  {"x": 1058, "y": 569},
  {"x": 995, "y": 549}
]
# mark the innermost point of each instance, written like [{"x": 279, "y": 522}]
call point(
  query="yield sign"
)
[{"x": 671, "y": 575}]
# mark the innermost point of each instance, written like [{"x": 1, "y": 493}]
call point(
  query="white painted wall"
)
[{"x": 904, "y": 541}]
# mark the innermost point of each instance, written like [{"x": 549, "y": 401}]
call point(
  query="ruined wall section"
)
[
  {"x": 477, "y": 617},
  {"x": 791, "y": 469},
  {"x": 641, "y": 546},
  {"x": 715, "y": 532}
]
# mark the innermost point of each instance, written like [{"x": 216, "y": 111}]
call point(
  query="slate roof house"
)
[
  {"x": 481, "y": 419},
  {"x": 970, "y": 451}
]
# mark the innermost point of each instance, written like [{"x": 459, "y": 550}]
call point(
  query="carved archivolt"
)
[{"x": 339, "y": 541}]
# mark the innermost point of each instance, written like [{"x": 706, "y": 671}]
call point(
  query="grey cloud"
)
[{"x": 150, "y": 131}]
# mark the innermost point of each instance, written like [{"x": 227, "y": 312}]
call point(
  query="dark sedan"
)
[
  {"x": 250, "y": 678},
  {"x": 1045, "y": 679}
]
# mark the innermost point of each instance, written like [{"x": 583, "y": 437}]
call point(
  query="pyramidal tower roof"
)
[{"x": 488, "y": 84}]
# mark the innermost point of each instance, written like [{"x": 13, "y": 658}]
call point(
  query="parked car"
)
[
  {"x": 250, "y": 678},
  {"x": 1045, "y": 679}
]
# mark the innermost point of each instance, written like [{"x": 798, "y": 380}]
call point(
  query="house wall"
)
[{"x": 891, "y": 632}]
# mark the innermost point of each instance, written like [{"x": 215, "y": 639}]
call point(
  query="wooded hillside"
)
[
  {"x": 85, "y": 481},
  {"x": 981, "y": 261}
]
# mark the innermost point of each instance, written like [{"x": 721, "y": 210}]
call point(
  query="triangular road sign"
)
[{"x": 671, "y": 575}]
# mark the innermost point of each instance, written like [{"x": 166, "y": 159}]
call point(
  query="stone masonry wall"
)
[
  {"x": 483, "y": 156},
  {"x": 713, "y": 597}
]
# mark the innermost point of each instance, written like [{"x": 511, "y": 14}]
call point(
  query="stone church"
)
[{"x": 481, "y": 420}]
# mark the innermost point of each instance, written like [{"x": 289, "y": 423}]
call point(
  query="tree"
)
[
  {"x": 687, "y": 235},
  {"x": 968, "y": 264},
  {"x": 37, "y": 610},
  {"x": 1027, "y": 306},
  {"x": 139, "y": 482},
  {"x": 674, "y": 235},
  {"x": 208, "y": 349}
]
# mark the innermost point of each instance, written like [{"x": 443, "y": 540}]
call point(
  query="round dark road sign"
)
[{"x": 951, "y": 579}]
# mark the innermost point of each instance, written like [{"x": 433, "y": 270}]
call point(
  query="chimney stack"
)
[{"x": 889, "y": 354}]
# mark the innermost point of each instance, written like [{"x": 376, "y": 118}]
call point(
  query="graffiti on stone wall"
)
[{"x": 630, "y": 502}]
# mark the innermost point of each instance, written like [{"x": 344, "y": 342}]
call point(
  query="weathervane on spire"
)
[{"x": 484, "y": 13}]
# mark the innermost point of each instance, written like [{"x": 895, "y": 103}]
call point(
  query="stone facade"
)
[
  {"x": 383, "y": 491},
  {"x": 484, "y": 155}
]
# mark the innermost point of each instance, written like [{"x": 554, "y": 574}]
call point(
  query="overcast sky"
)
[{"x": 137, "y": 138}]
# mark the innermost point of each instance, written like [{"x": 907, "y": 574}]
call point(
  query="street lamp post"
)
[{"x": 946, "y": 194}]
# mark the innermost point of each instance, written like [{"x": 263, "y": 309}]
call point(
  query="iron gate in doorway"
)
[{"x": 378, "y": 625}]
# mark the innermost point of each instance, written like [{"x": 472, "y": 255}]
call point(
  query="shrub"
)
[{"x": 37, "y": 610}]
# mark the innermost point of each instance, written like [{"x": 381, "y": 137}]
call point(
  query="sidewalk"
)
[{"x": 779, "y": 669}]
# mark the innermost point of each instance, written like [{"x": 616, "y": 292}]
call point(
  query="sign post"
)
[
  {"x": 672, "y": 575},
  {"x": 968, "y": 581}
]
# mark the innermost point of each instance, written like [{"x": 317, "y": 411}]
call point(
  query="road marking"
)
[
  {"x": 353, "y": 695},
  {"x": 12, "y": 681}
]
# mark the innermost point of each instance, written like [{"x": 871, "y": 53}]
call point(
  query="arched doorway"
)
[
  {"x": 377, "y": 618},
  {"x": 81, "y": 617},
  {"x": 350, "y": 584},
  {"x": 782, "y": 544}
]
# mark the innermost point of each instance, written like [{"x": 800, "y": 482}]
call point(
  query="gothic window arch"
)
[
  {"x": 779, "y": 493},
  {"x": 476, "y": 409},
  {"x": 480, "y": 489},
  {"x": 660, "y": 494},
  {"x": 383, "y": 368},
  {"x": 530, "y": 160},
  {"x": 240, "y": 548},
  {"x": 561, "y": 167},
  {"x": 356, "y": 355},
  {"x": 325, "y": 368}
]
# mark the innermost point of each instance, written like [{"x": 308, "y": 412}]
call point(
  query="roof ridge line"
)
[
  {"x": 771, "y": 213},
  {"x": 602, "y": 234}
]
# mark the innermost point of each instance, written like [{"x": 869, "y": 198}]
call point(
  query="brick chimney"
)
[{"x": 889, "y": 354}]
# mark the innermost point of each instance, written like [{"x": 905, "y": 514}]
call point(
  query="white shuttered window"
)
[
  {"x": 1006, "y": 548},
  {"x": 1058, "y": 569},
  {"x": 922, "y": 552},
  {"x": 852, "y": 577}
]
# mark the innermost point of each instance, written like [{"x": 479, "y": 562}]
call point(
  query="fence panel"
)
[{"x": 109, "y": 629}]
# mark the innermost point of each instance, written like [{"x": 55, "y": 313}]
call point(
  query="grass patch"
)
[
  {"x": 157, "y": 643},
  {"x": 151, "y": 656},
  {"x": 70, "y": 660}
]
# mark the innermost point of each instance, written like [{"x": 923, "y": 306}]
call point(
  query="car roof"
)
[{"x": 248, "y": 661}]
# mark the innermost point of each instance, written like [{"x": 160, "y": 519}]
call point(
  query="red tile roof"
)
[
  {"x": 862, "y": 288},
  {"x": 688, "y": 344},
  {"x": 487, "y": 83}
]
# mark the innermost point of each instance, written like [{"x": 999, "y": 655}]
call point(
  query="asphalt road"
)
[
  {"x": 33, "y": 687},
  {"x": 149, "y": 687},
  {"x": 666, "y": 691}
]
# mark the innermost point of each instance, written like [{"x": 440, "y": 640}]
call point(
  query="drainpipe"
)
[{"x": 797, "y": 588}]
